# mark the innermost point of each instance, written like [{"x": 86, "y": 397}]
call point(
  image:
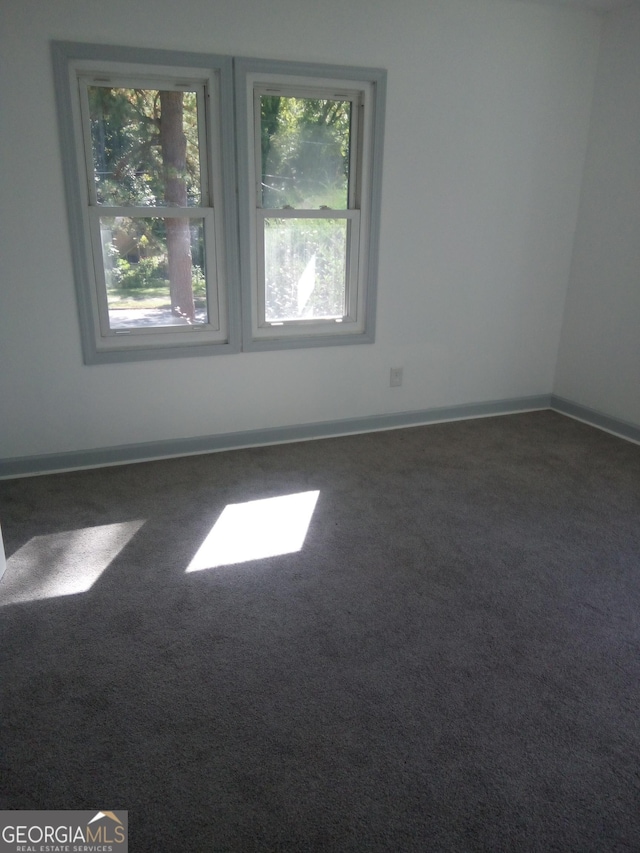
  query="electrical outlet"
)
[{"x": 395, "y": 377}]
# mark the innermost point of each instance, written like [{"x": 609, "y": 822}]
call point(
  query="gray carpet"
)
[{"x": 450, "y": 663}]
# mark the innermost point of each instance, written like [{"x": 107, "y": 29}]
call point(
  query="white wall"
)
[
  {"x": 599, "y": 360},
  {"x": 487, "y": 116}
]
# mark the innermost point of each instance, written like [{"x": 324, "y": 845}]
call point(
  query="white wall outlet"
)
[{"x": 395, "y": 377}]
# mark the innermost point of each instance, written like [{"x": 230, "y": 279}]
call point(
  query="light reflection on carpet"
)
[
  {"x": 65, "y": 563},
  {"x": 255, "y": 530}
]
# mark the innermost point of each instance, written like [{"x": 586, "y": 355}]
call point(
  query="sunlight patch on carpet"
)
[
  {"x": 64, "y": 563},
  {"x": 257, "y": 529}
]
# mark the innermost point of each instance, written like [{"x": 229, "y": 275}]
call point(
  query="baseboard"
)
[
  {"x": 622, "y": 429},
  {"x": 74, "y": 460}
]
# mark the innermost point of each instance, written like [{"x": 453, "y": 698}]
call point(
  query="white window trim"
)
[{"x": 232, "y": 217}]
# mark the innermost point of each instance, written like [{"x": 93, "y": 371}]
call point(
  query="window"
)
[
  {"x": 150, "y": 186},
  {"x": 165, "y": 264},
  {"x": 309, "y": 206}
]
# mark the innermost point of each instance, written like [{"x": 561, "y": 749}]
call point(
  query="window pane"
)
[
  {"x": 305, "y": 269},
  {"x": 305, "y": 152},
  {"x": 145, "y": 147},
  {"x": 154, "y": 271}
]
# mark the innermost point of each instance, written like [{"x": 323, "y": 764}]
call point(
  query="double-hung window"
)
[
  {"x": 308, "y": 209},
  {"x": 145, "y": 164},
  {"x": 218, "y": 204}
]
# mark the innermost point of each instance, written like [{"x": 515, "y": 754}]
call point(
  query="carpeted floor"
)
[{"x": 450, "y": 663}]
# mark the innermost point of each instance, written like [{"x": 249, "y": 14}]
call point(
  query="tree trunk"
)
[{"x": 174, "y": 158}]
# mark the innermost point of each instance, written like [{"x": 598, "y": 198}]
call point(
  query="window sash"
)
[
  {"x": 215, "y": 295},
  {"x": 309, "y": 326},
  {"x": 154, "y": 82},
  {"x": 100, "y": 340},
  {"x": 319, "y": 92},
  {"x": 360, "y": 94}
]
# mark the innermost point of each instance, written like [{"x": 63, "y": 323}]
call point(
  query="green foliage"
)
[
  {"x": 147, "y": 272},
  {"x": 151, "y": 273},
  {"x": 305, "y": 152},
  {"x": 198, "y": 281},
  {"x": 125, "y": 136},
  {"x": 305, "y": 160}
]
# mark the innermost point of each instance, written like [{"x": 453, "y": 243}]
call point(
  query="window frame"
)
[
  {"x": 75, "y": 65},
  {"x": 362, "y": 211},
  {"x": 231, "y": 175}
]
